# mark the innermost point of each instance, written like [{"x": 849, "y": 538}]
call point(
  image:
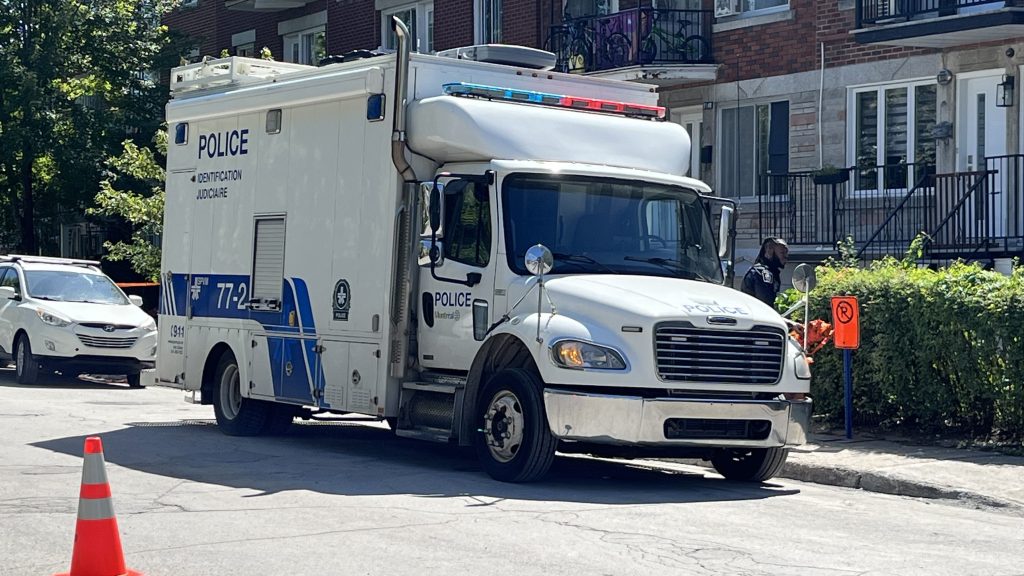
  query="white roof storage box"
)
[{"x": 504, "y": 54}]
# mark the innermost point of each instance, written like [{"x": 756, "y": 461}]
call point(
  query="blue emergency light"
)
[{"x": 532, "y": 97}]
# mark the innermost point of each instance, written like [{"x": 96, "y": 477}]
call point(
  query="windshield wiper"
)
[
  {"x": 674, "y": 265},
  {"x": 582, "y": 258}
]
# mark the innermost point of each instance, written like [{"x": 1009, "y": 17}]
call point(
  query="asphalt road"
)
[{"x": 352, "y": 499}]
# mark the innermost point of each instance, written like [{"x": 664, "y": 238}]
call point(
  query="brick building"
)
[{"x": 913, "y": 101}]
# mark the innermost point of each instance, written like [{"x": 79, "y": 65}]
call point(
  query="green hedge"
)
[{"x": 941, "y": 351}]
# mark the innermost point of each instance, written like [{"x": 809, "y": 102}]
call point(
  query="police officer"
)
[{"x": 764, "y": 279}]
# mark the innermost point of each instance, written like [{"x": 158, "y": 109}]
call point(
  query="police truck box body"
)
[{"x": 372, "y": 237}]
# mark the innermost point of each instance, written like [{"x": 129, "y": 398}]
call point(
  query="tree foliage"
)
[
  {"x": 133, "y": 190},
  {"x": 76, "y": 78}
]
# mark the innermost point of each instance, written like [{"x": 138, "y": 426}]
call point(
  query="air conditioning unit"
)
[{"x": 727, "y": 7}]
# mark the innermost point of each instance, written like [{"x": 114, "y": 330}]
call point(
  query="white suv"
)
[{"x": 68, "y": 316}]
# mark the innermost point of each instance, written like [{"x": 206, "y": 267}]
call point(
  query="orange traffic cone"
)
[{"x": 97, "y": 542}]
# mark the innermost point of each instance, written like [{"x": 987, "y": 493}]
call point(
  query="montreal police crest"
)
[{"x": 342, "y": 300}]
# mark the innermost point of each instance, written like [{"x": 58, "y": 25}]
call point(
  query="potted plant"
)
[{"x": 829, "y": 174}]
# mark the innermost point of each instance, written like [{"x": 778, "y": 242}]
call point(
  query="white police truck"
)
[{"x": 471, "y": 247}]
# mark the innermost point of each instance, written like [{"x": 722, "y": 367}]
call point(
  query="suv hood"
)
[
  {"x": 621, "y": 298},
  {"x": 85, "y": 312}
]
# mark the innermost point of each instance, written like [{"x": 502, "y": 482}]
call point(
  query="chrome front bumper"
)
[{"x": 632, "y": 420}]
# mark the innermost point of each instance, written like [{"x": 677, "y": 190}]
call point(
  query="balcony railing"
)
[
  {"x": 883, "y": 208},
  {"x": 639, "y": 36},
  {"x": 871, "y": 12}
]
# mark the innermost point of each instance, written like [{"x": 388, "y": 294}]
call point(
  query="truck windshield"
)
[{"x": 605, "y": 226}]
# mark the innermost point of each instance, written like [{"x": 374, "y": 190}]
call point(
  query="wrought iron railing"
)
[
  {"x": 883, "y": 208},
  {"x": 638, "y": 36},
  {"x": 871, "y": 12}
]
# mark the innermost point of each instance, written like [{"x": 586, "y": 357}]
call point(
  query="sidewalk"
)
[{"x": 901, "y": 468}]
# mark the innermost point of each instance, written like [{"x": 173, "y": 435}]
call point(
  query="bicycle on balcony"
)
[
  {"x": 578, "y": 47},
  {"x": 678, "y": 47}
]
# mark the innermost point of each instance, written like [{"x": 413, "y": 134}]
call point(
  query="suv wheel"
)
[
  {"x": 26, "y": 365},
  {"x": 135, "y": 380}
]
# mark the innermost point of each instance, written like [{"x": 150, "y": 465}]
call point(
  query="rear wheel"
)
[
  {"x": 26, "y": 365},
  {"x": 751, "y": 464},
  {"x": 236, "y": 416},
  {"x": 515, "y": 444}
]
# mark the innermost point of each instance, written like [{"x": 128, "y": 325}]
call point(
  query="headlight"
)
[
  {"x": 581, "y": 355},
  {"x": 52, "y": 319},
  {"x": 150, "y": 325}
]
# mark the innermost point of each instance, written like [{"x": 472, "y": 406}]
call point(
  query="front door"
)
[
  {"x": 446, "y": 300},
  {"x": 981, "y": 140},
  {"x": 693, "y": 121}
]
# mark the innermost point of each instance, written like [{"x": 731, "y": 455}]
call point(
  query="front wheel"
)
[
  {"x": 26, "y": 365},
  {"x": 515, "y": 444},
  {"x": 750, "y": 464},
  {"x": 236, "y": 415},
  {"x": 135, "y": 380}
]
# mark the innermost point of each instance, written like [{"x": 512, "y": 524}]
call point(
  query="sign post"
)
[{"x": 846, "y": 319}]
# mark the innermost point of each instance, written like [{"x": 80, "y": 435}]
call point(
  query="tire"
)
[
  {"x": 750, "y": 465},
  {"x": 279, "y": 419},
  {"x": 616, "y": 50},
  {"x": 135, "y": 380},
  {"x": 236, "y": 416},
  {"x": 26, "y": 365},
  {"x": 696, "y": 49},
  {"x": 527, "y": 450}
]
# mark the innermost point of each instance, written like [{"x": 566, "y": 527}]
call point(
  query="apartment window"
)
[
  {"x": 488, "y": 21},
  {"x": 581, "y": 8},
  {"x": 891, "y": 134},
  {"x": 247, "y": 50},
  {"x": 419, "y": 18},
  {"x": 754, "y": 143},
  {"x": 306, "y": 47},
  {"x": 244, "y": 43}
]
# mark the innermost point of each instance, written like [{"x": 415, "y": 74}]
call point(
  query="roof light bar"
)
[{"x": 575, "y": 102}]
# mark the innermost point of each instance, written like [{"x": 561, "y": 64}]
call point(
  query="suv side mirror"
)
[
  {"x": 136, "y": 300},
  {"x": 9, "y": 293},
  {"x": 723, "y": 231}
]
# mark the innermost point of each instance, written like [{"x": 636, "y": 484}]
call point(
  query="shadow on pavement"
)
[
  {"x": 57, "y": 381},
  {"x": 358, "y": 460}
]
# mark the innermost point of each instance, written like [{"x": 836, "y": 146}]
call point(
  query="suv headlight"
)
[
  {"x": 150, "y": 325},
  {"x": 52, "y": 319},
  {"x": 582, "y": 355}
]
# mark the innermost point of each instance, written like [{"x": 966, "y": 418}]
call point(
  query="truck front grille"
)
[
  {"x": 107, "y": 341},
  {"x": 711, "y": 429},
  {"x": 685, "y": 353}
]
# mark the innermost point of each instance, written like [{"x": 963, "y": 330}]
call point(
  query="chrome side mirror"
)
[
  {"x": 723, "y": 231},
  {"x": 539, "y": 260},
  {"x": 804, "y": 279}
]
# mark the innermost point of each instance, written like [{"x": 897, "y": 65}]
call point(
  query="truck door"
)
[
  {"x": 460, "y": 282},
  {"x": 174, "y": 277}
]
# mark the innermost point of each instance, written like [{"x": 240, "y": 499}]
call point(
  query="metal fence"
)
[
  {"x": 638, "y": 36},
  {"x": 883, "y": 208}
]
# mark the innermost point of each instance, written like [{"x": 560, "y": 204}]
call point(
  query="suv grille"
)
[
  {"x": 107, "y": 341},
  {"x": 685, "y": 353}
]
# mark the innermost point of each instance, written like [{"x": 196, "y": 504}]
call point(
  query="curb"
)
[{"x": 878, "y": 482}]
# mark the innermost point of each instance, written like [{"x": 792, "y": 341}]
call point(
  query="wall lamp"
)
[{"x": 1004, "y": 92}]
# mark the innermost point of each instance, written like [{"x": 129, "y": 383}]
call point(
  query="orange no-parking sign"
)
[{"x": 846, "y": 319}]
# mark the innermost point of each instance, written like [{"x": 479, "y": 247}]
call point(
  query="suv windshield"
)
[
  {"x": 70, "y": 286},
  {"x": 605, "y": 226}
]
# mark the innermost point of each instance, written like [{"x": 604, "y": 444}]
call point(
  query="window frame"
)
[
  {"x": 753, "y": 151},
  {"x": 423, "y": 17},
  {"x": 295, "y": 39},
  {"x": 853, "y": 117},
  {"x": 487, "y": 30}
]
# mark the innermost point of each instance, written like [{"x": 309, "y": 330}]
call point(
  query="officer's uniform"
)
[{"x": 762, "y": 282}]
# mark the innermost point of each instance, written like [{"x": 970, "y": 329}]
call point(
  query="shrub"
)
[{"x": 941, "y": 351}]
